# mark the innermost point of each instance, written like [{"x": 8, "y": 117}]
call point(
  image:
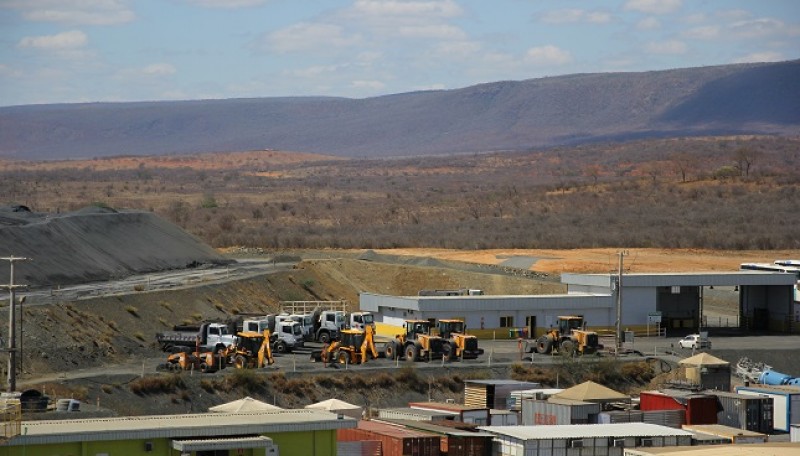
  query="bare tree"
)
[{"x": 744, "y": 157}]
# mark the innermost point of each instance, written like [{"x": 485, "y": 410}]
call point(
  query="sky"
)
[{"x": 67, "y": 51}]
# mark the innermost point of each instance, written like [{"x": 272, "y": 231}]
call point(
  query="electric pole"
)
[
  {"x": 619, "y": 333},
  {"x": 12, "y": 326}
]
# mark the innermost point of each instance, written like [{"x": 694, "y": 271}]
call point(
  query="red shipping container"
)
[
  {"x": 700, "y": 408},
  {"x": 395, "y": 440}
]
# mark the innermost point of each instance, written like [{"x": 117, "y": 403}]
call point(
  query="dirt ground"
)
[{"x": 607, "y": 260}]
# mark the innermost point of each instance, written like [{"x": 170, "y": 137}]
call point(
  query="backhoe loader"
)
[
  {"x": 251, "y": 350},
  {"x": 457, "y": 343}
]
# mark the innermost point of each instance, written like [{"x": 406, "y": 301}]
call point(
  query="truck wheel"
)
[
  {"x": 324, "y": 338},
  {"x": 204, "y": 368},
  {"x": 390, "y": 351},
  {"x": 412, "y": 352},
  {"x": 544, "y": 345},
  {"x": 281, "y": 347},
  {"x": 567, "y": 347},
  {"x": 343, "y": 358},
  {"x": 240, "y": 362}
]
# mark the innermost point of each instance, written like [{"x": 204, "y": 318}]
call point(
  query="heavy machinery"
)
[
  {"x": 569, "y": 337},
  {"x": 457, "y": 343},
  {"x": 417, "y": 343},
  {"x": 249, "y": 350},
  {"x": 353, "y": 346}
]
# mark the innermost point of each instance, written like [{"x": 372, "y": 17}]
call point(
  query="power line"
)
[{"x": 12, "y": 323}]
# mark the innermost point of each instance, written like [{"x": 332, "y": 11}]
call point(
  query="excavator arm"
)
[
  {"x": 369, "y": 344},
  {"x": 265, "y": 351}
]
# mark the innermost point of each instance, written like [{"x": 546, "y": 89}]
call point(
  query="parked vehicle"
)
[
  {"x": 695, "y": 341},
  {"x": 457, "y": 343},
  {"x": 203, "y": 338},
  {"x": 353, "y": 346},
  {"x": 286, "y": 334},
  {"x": 416, "y": 344},
  {"x": 570, "y": 336},
  {"x": 249, "y": 350}
]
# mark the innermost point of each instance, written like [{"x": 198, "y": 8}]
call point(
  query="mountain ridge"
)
[{"x": 504, "y": 115}]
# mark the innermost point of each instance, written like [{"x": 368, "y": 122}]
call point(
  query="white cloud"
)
[
  {"x": 666, "y": 47},
  {"x": 394, "y": 8},
  {"x": 734, "y": 15},
  {"x": 654, "y": 6},
  {"x": 548, "y": 55},
  {"x": 227, "y": 4},
  {"x": 309, "y": 37},
  {"x": 72, "y": 39},
  {"x": 566, "y": 16},
  {"x": 370, "y": 85},
  {"x": 756, "y": 27},
  {"x": 159, "y": 69},
  {"x": 428, "y": 87},
  {"x": 703, "y": 33},
  {"x": 457, "y": 49},
  {"x": 315, "y": 71},
  {"x": 648, "y": 23},
  {"x": 435, "y": 31},
  {"x": 766, "y": 56},
  {"x": 695, "y": 18},
  {"x": 74, "y": 12}
]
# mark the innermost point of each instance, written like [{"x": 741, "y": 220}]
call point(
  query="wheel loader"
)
[
  {"x": 457, "y": 343},
  {"x": 416, "y": 344},
  {"x": 568, "y": 338}
]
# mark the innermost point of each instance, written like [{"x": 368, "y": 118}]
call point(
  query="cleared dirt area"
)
[{"x": 607, "y": 260}]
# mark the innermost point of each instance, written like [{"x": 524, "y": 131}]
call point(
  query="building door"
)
[{"x": 530, "y": 324}]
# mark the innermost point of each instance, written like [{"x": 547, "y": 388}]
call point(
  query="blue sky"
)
[{"x": 56, "y": 51}]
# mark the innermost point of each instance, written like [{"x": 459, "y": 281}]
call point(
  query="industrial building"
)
[
  {"x": 766, "y": 301},
  {"x": 309, "y": 432}
]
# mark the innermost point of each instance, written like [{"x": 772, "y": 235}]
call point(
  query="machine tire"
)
[
  {"x": 448, "y": 351},
  {"x": 390, "y": 351},
  {"x": 544, "y": 345},
  {"x": 324, "y": 337},
  {"x": 281, "y": 347},
  {"x": 412, "y": 353},
  {"x": 567, "y": 347},
  {"x": 240, "y": 362},
  {"x": 342, "y": 357},
  {"x": 204, "y": 368}
]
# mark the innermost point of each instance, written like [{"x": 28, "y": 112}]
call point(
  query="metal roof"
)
[
  {"x": 579, "y": 431},
  {"x": 750, "y": 449},
  {"x": 687, "y": 279},
  {"x": 222, "y": 444},
  {"x": 502, "y": 382},
  {"x": 563, "y": 303},
  {"x": 435, "y": 428},
  {"x": 195, "y": 426}
]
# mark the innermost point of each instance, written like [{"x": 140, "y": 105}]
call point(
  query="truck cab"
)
[
  {"x": 329, "y": 324},
  {"x": 286, "y": 335},
  {"x": 360, "y": 320}
]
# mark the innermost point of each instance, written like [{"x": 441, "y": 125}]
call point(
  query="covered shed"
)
[
  {"x": 707, "y": 371},
  {"x": 338, "y": 407},
  {"x": 590, "y": 391},
  {"x": 244, "y": 405}
]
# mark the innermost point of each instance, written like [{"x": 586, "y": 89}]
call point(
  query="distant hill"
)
[{"x": 514, "y": 115}]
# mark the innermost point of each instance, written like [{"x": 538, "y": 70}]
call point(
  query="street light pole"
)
[
  {"x": 12, "y": 336},
  {"x": 619, "y": 303}
]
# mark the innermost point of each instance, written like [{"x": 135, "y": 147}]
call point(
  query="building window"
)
[{"x": 506, "y": 322}]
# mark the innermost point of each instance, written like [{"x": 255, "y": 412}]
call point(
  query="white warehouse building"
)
[{"x": 765, "y": 302}]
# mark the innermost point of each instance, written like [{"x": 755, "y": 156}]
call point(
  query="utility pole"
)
[
  {"x": 619, "y": 334},
  {"x": 12, "y": 326}
]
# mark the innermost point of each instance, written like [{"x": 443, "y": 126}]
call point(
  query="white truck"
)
[
  {"x": 286, "y": 335},
  {"x": 206, "y": 337},
  {"x": 322, "y": 320}
]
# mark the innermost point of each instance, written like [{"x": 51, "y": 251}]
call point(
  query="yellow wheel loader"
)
[
  {"x": 569, "y": 337},
  {"x": 457, "y": 343},
  {"x": 416, "y": 344}
]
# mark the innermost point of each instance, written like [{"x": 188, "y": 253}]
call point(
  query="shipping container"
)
[
  {"x": 359, "y": 448},
  {"x": 752, "y": 413},
  {"x": 794, "y": 434},
  {"x": 733, "y": 435},
  {"x": 395, "y": 440},
  {"x": 457, "y": 439},
  {"x": 473, "y": 415},
  {"x": 492, "y": 393},
  {"x": 671, "y": 418},
  {"x": 408, "y": 413},
  {"x": 558, "y": 411},
  {"x": 700, "y": 408},
  {"x": 785, "y": 403}
]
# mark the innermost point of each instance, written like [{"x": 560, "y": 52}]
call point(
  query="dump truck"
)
[
  {"x": 569, "y": 337},
  {"x": 204, "y": 338},
  {"x": 457, "y": 343},
  {"x": 416, "y": 343}
]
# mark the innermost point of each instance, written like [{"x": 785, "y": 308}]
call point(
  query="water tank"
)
[{"x": 771, "y": 377}]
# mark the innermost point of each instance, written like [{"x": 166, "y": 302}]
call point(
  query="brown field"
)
[{"x": 607, "y": 260}]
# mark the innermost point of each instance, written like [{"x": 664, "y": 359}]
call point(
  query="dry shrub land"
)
[{"x": 716, "y": 193}]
